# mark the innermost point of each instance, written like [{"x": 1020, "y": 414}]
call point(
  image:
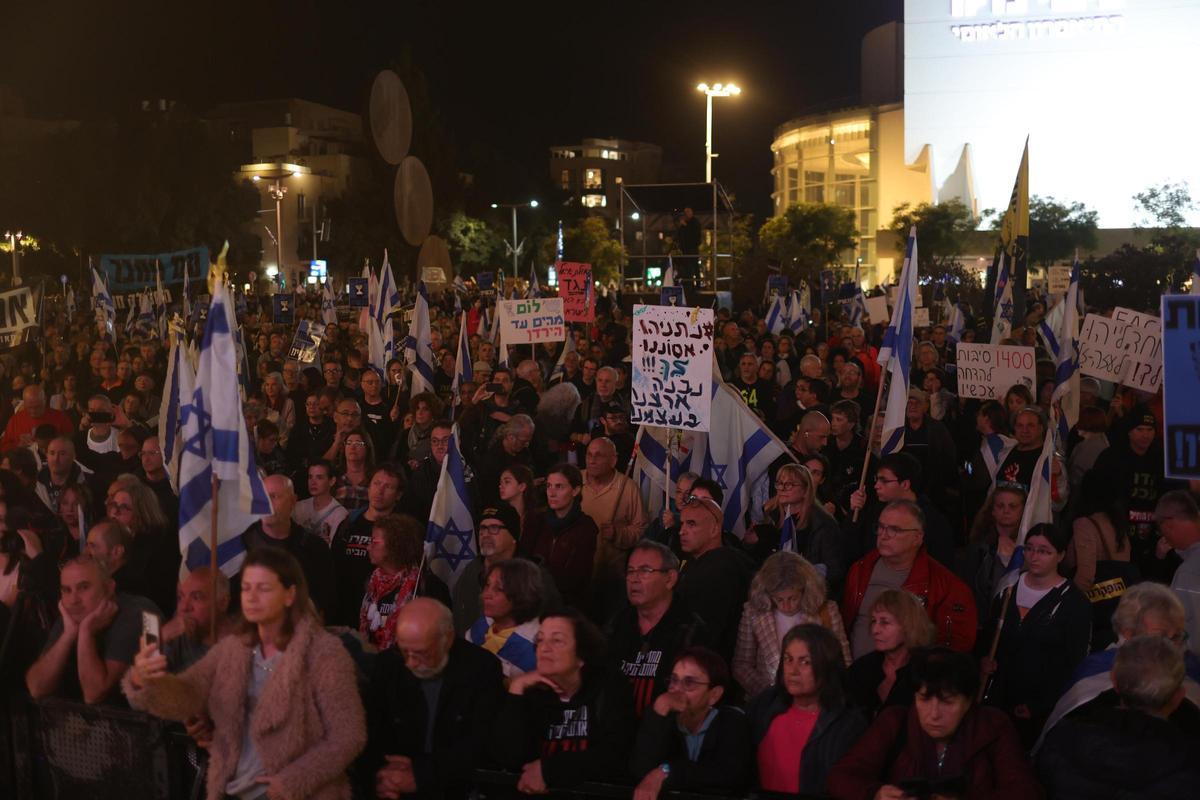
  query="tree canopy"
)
[{"x": 809, "y": 237}]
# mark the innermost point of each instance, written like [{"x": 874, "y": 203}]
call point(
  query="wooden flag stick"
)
[
  {"x": 862, "y": 480},
  {"x": 212, "y": 557},
  {"x": 983, "y": 685}
]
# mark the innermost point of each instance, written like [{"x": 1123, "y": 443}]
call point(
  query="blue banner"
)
[
  {"x": 357, "y": 289},
  {"x": 486, "y": 281},
  {"x": 1181, "y": 385},
  {"x": 283, "y": 309},
  {"x": 133, "y": 273},
  {"x": 776, "y": 284}
]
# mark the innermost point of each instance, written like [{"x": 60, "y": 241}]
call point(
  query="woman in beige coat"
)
[
  {"x": 286, "y": 718},
  {"x": 787, "y": 591}
]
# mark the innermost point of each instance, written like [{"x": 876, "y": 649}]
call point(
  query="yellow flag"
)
[
  {"x": 217, "y": 271},
  {"x": 1014, "y": 235}
]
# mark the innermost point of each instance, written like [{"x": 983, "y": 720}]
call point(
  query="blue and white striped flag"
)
[
  {"x": 1002, "y": 312},
  {"x": 106, "y": 310},
  {"x": 668, "y": 278},
  {"x": 328, "y": 312},
  {"x": 131, "y": 317},
  {"x": 1196, "y": 274},
  {"x": 787, "y": 533},
  {"x": 534, "y": 289},
  {"x": 450, "y": 535},
  {"x": 70, "y": 302},
  {"x": 418, "y": 352},
  {"x": 799, "y": 317},
  {"x": 895, "y": 356},
  {"x": 145, "y": 319},
  {"x": 1060, "y": 331},
  {"x": 178, "y": 388},
  {"x": 858, "y": 308},
  {"x": 216, "y": 443},
  {"x": 381, "y": 338},
  {"x": 1037, "y": 510},
  {"x": 994, "y": 448},
  {"x": 560, "y": 367},
  {"x": 777, "y": 316},
  {"x": 652, "y": 456},
  {"x": 464, "y": 371},
  {"x": 958, "y": 324}
]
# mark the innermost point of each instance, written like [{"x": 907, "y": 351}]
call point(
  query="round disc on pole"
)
[
  {"x": 433, "y": 262},
  {"x": 413, "y": 196},
  {"x": 390, "y": 117}
]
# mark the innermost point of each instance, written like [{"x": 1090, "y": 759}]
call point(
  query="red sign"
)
[{"x": 577, "y": 291}]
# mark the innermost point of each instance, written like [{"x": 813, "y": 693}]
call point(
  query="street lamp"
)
[
  {"x": 717, "y": 90},
  {"x": 15, "y": 239},
  {"x": 277, "y": 174},
  {"x": 514, "y": 247}
]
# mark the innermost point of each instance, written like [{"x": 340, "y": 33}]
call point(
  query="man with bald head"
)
[
  {"x": 33, "y": 412},
  {"x": 59, "y": 471},
  {"x": 430, "y": 702},
  {"x": 279, "y": 530},
  {"x": 715, "y": 578},
  {"x": 614, "y": 502}
]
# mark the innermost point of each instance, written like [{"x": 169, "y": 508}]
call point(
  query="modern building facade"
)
[
  {"x": 314, "y": 152},
  {"x": 591, "y": 173}
]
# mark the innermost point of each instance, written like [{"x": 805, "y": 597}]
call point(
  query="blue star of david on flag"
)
[
  {"x": 718, "y": 471},
  {"x": 450, "y": 535}
]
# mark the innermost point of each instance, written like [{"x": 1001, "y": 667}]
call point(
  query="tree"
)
[
  {"x": 1165, "y": 208},
  {"x": 808, "y": 237},
  {"x": 1057, "y": 230},
  {"x": 591, "y": 242},
  {"x": 1130, "y": 276},
  {"x": 942, "y": 231},
  {"x": 363, "y": 223},
  {"x": 473, "y": 242}
]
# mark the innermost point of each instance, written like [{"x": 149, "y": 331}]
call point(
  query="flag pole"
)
[
  {"x": 212, "y": 558},
  {"x": 862, "y": 480},
  {"x": 985, "y": 685}
]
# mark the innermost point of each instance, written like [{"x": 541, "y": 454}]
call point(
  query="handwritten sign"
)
[
  {"x": 877, "y": 310},
  {"x": 532, "y": 321},
  {"x": 672, "y": 367},
  {"x": 577, "y": 291},
  {"x": 988, "y": 371},
  {"x": 1060, "y": 279},
  {"x": 1181, "y": 385},
  {"x": 1126, "y": 348}
]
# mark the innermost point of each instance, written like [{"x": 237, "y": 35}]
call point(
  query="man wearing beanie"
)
[{"x": 497, "y": 534}]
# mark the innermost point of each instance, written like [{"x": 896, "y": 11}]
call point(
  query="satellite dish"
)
[
  {"x": 413, "y": 196},
  {"x": 390, "y": 117}
]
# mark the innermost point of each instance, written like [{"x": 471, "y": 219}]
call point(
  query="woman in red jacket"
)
[{"x": 942, "y": 746}]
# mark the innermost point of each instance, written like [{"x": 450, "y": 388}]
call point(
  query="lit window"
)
[
  {"x": 593, "y": 178},
  {"x": 566, "y": 179},
  {"x": 595, "y": 201}
]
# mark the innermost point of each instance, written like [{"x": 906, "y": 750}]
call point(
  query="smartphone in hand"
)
[{"x": 151, "y": 632}]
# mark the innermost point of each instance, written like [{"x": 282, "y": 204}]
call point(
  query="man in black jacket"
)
[
  {"x": 715, "y": 577},
  {"x": 644, "y": 639},
  {"x": 430, "y": 703}
]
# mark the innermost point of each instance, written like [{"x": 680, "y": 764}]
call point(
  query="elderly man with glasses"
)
[{"x": 899, "y": 561}]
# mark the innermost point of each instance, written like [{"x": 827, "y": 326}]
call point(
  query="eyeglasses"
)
[
  {"x": 1038, "y": 551},
  {"x": 440, "y": 441},
  {"x": 886, "y": 481},
  {"x": 347, "y": 413},
  {"x": 356, "y": 444},
  {"x": 114, "y": 506},
  {"x": 643, "y": 572},
  {"x": 893, "y": 530},
  {"x": 785, "y": 485},
  {"x": 687, "y": 684}
]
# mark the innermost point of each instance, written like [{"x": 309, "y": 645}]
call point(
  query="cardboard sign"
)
[
  {"x": 357, "y": 288},
  {"x": 828, "y": 288},
  {"x": 1126, "y": 348},
  {"x": 1181, "y": 386},
  {"x": 307, "y": 343},
  {"x": 283, "y": 309},
  {"x": 877, "y": 310},
  {"x": 532, "y": 321},
  {"x": 672, "y": 367},
  {"x": 921, "y": 317},
  {"x": 988, "y": 371},
  {"x": 18, "y": 318},
  {"x": 671, "y": 296},
  {"x": 577, "y": 291},
  {"x": 1060, "y": 279}
]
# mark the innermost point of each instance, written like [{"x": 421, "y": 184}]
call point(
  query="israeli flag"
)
[
  {"x": 534, "y": 289},
  {"x": 652, "y": 458},
  {"x": 464, "y": 372},
  {"x": 777, "y": 316},
  {"x": 895, "y": 356},
  {"x": 1002, "y": 315},
  {"x": 418, "y": 346},
  {"x": 858, "y": 308},
  {"x": 799, "y": 317},
  {"x": 787, "y": 534},
  {"x": 1037, "y": 511},
  {"x": 381, "y": 339},
  {"x": 145, "y": 319},
  {"x": 1060, "y": 332},
  {"x": 131, "y": 316},
  {"x": 958, "y": 324},
  {"x": 328, "y": 312},
  {"x": 560, "y": 367},
  {"x": 450, "y": 535},
  {"x": 215, "y": 443},
  {"x": 994, "y": 449},
  {"x": 178, "y": 389},
  {"x": 70, "y": 303},
  {"x": 106, "y": 310},
  {"x": 668, "y": 278}
]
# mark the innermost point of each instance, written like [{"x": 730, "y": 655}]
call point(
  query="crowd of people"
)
[{"x": 855, "y": 642}]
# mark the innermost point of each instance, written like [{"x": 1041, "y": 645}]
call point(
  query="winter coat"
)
[
  {"x": 724, "y": 761},
  {"x": 985, "y": 757},
  {"x": 835, "y": 732},
  {"x": 308, "y": 725},
  {"x": 567, "y": 547},
  {"x": 947, "y": 600},
  {"x": 756, "y": 655}
]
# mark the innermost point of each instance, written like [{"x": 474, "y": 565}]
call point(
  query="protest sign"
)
[
  {"x": 486, "y": 281},
  {"x": 877, "y": 310},
  {"x": 128, "y": 274},
  {"x": 988, "y": 371},
  {"x": 1060, "y": 279},
  {"x": 357, "y": 288},
  {"x": 18, "y": 318},
  {"x": 670, "y": 296},
  {"x": 828, "y": 288},
  {"x": 776, "y": 285},
  {"x": 283, "y": 309},
  {"x": 672, "y": 367},
  {"x": 306, "y": 344},
  {"x": 532, "y": 321},
  {"x": 1181, "y": 385},
  {"x": 1126, "y": 348},
  {"x": 577, "y": 291},
  {"x": 921, "y": 317}
]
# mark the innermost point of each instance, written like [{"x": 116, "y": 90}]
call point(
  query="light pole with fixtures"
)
[
  {"x": 14, "y": 239},
  {"x": 277, "y": 174},
  {"x": 717, "y": 90},
  {"x": 516, "y": 247}
]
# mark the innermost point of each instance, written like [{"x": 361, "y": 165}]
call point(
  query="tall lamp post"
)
[
  {"x": 717, "y": 90},
  {"x": 276, "y": 173},
  {"x": 14, "y": 239},
  {"x": 515, "y": 246}
]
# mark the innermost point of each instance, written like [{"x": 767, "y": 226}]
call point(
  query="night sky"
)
[{"x": 509, "y": 79}]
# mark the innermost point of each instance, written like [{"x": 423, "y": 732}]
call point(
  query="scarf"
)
[{"x": 385, "y": 595}]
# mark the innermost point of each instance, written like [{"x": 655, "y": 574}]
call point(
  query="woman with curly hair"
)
[{"x": 787, "y": 591}]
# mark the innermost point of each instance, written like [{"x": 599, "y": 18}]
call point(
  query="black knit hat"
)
[{"x": 506, "y": 515}]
